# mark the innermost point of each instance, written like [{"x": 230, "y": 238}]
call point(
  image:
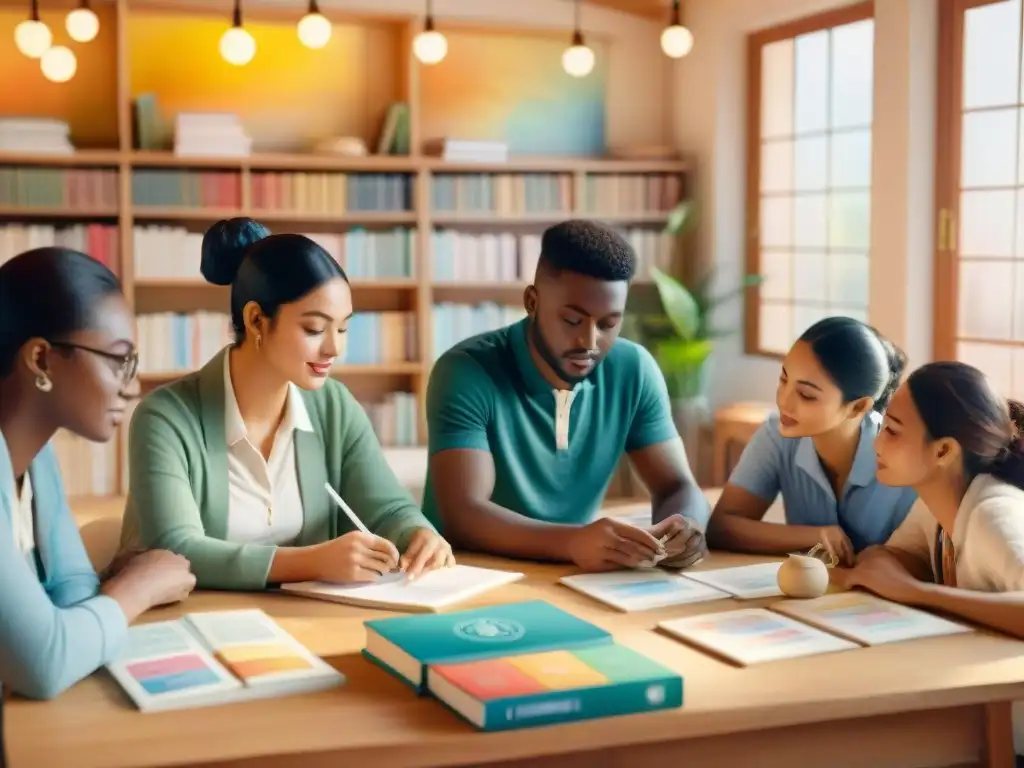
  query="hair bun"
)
[
  {"x": 225, "y": 246},
  {"x": 897, "y": 359}
]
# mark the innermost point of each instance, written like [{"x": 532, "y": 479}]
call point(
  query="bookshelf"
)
[{"x": 436, "y": 250}]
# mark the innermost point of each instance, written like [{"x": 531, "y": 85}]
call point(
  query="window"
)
[
  {"x": 810, "y": 89},
  {"x": 979, "y": 296}
]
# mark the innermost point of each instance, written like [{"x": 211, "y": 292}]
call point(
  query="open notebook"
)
[
  {"x": 219, "y": 657},
  {"x": 433, "y": 591}
]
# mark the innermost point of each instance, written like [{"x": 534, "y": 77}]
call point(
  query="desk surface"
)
[{"x": 375, "y": 717}]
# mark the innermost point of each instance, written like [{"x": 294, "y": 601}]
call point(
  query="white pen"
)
[{"x": 345, "y": 508}]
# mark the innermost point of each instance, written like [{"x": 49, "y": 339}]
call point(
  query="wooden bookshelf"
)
[{"x": 436, "y": 286}]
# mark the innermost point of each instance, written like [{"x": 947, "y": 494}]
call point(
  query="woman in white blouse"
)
[{"x": 949, "y": 435}]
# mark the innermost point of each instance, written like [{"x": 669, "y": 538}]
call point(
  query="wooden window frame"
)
[{"x": 756, "y": 42}]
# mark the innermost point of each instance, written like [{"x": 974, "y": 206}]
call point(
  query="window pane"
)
[
  {"x": 809, "y": 276},
  {"x": 812, "y": 82},
  {"x": 777, "y": 271},
  {"x": 986, "y": 223},
  {"x": 991, "y": 44},
  {"x": 777, "y": 89},
  {"x": 1020, "y": 143},
  {"x": 995, "y": 361},
  {"x": 809, "y": 221},
  {"x": 1018, "y": 302},
  {"x": 848, "y": 275},
  {"x": 988, "y": 144},
  {"x": 1017, "y": 392},
  {"x": 776, "y": 326},
  {"x": 804, "y": 317},
  {"x": 851, "y": 159},
  {"x": 777, "y": 166},
  {"x": 1020, "y": 223},
  {"x": 811, "y": 163},
  {"x": 777, "y": 221},
  {"x": 853, "y": 51},
  {"x": 986, "y": 299},
  {"x": 849, "y": 220}
]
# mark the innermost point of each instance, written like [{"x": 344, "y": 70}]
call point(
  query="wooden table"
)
[{"x": 921, "y": 703}]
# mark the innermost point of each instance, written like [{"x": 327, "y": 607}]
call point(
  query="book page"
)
[
  {"x": 754, "y": 635},
  {"x": 163, "y": 661},
  {"x": 430, "y": 591},
  {"x": 867, "y": 619},
  {"x": 747, "y": 582},
  {"x": 254, "y": 648},
  {"x": 642, "y": 590}
]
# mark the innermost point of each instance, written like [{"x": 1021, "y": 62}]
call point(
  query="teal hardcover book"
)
[
  {"x": 407, "y": 645},
  {"x": 533, "y": 689}
]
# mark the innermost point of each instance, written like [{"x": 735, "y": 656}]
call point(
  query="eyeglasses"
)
[{"x": 128, "y": 364}]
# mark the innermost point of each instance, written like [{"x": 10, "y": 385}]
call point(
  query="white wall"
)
[{"x": 710, "y": 114}]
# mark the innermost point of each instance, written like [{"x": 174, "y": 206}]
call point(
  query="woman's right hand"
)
[
  {"x": 150, "y": 579},
  {"x": 835, "y": 541},
  {"x": 356, "y": 556}
]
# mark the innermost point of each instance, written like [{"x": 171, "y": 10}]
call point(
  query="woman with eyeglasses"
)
[{"x": 66, "y": 355}]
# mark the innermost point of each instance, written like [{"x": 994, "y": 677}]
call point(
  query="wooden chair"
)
[{"x": 734, "y": 425}]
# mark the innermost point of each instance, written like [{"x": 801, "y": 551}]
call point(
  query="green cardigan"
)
[{"x": 178, "y": 479}]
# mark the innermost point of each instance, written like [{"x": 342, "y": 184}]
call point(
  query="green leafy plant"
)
[{"x": 681, "y": 336}]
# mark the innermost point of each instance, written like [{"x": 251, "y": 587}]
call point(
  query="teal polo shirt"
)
[{"x": 554, "y": 451}]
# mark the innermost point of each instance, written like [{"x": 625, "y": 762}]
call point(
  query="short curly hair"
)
[{"x": 587, "y": 248}]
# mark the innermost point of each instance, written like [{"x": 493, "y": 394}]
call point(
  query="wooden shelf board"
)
[
  {"x": 52, "y": 212},
  {"x": 349, "y": 218},
  {"x": 94, "y": 157},
  {"x": 558, "y": 165},
  {"x": 174, "y": 284},
  {"x": 278, "y": 162}
]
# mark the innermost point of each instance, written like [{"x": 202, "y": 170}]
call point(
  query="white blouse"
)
[
  {"x": 23, "y": 522},
  {"x": 264, "y": 503}
]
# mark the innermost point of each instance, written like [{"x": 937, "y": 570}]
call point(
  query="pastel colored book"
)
[
  {"x": 642, "y": 590},
  {"x": 219, "y": 657},
  {"x": 407, "y": 645},
  {"x": 746, "y": 582},
  {"x": 533, "y": 689},
  {"x": 433, "y": 591},
  {"x": 868, "y": 620},
  {"x": 754, "y": 635}
]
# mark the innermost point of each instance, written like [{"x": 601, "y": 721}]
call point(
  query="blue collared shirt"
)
[{"x": 867, "y": 510}]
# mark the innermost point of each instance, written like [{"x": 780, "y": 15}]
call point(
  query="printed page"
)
[
  {"x": 642, "y": 590},
  {"x": 867, "y": 619},
  {"x": 431, "y": 591},
  {"x": 754, "y": 635},
  {"x": 164, "y": 663},
  {"x": 747, "y": 582},
  {"x": 254, "y": 648}
]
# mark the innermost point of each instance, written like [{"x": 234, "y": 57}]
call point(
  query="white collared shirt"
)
[
  {"x": 264, "y": 503},
  {"x": 23, "y": 521}
]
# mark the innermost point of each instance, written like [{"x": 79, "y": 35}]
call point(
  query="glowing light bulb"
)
[
  {"x": 82, "y": 24},
  {"x": 578, "y": 60},
  {"x": 237, "y": 46},
  {"x": 32, "y": 38},
  {"x": 58, "y": 64},
  {"x": 430, "y": 46},
  {"x": 676, "y": 41},
  {"x": 314, "y": 30}
]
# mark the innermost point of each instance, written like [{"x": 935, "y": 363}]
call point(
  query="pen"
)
[{"x": 345, "y": 508}]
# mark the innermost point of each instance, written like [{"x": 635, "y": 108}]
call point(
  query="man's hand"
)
[
  {"x": 684, "y": 541},
  {"x": 608, "y": 544}
]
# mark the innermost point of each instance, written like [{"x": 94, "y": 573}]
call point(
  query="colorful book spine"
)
[
  {"x": 163, "y": 188},
  {"x": 502, "y": 194},
  {"x": 453, "y": 323},
  {"x": 74, "y": 189},
  {"x": 330, "y": 193},
  {"x": 98, "y": 240},
  {"x": 394, "y": 419},
  {"x": 625, "y": 194}
]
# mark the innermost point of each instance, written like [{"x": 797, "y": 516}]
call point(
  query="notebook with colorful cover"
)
[
  {"x": 407, "y": 645},
  {"x": 641, "y": 590},
  {"x": 866, "y": 619},
  {"x": 754, "y": 635},
  {"x": 559, "y": 686},
  {"x": 219, "y": 657},
  {"x": 745, "y": 582}
]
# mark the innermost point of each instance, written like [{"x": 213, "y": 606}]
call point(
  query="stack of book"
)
[
  {"x": 210, "y": 134},
  {"x": 35, "y": 136}
]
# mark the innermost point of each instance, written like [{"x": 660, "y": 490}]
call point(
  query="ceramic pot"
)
[{"x": 802, "y": 576}]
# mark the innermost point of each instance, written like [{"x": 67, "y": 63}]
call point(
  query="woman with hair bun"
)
[
  {"x": 835, "y": 383},
  {"x": 229, "y": 464}
]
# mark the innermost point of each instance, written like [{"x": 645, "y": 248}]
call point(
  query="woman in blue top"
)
[
  {"x": 66, "y": 354},
  {"x": 817, "y": 451}
]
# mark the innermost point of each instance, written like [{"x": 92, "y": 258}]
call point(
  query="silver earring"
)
[
  {"x": 43, "y": 383},
  {"x": 259, "y": 341}
]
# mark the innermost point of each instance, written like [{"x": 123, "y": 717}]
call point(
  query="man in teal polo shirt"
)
[{"x": 527, "y": 423}]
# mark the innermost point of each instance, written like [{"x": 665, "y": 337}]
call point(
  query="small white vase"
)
[{"x": 803, "y": 577}]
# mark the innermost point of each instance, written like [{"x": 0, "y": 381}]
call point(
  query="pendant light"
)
[
  {"x": 82, "y": 23},
  {"x": 578, "y": 59},
  {"x": 430, "y": 46},
  {"x": 676, "y": 40},
  {"x": 237, "y": 46},
  {"x": 314, "y": 28},
  {"x": 58, "y": 64},
  {"x": 31, "y": 36}
]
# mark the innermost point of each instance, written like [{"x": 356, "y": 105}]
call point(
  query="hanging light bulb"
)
[
  {"x": 676, "y": 40},
  {"x": 237, "y": 46},
  {"x": 31, "y": 36},
  {"x": 58, "y": 64},
  {"x": 314, "y": 28},
  {"x": 578, "y": 59},
  {"x": 430, "y": 46},
  {"x": 82, "y": 23}
]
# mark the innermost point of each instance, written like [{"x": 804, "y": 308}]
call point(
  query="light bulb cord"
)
[
  {"x": 428, "y": 21},
  {"x": 675, "y": 20},
  {"x": 577, "y": 32},
  {"x": 314, "y": 7},
  {"x": 236, "y": 14},
  {"x": 84, "y": 5},
  {"x": 33, "y": 10}
]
